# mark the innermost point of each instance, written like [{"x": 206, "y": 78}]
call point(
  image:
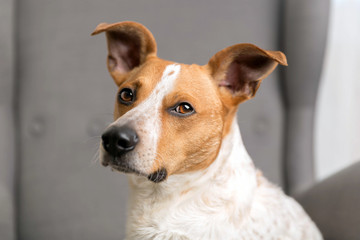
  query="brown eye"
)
[
  {"x": 126, "y": 96},
  {"x": 183, "y": 109}
]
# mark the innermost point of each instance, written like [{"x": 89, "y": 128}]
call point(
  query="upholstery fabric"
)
[
  {"x": 7, "y": 130},
  {"x": 66, "y": 100},
  {"x": 334, "y": 204}
]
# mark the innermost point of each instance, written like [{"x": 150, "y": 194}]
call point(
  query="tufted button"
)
[
  {"x": 261, "y": 125},
  {"x": 37, "y": 126}
]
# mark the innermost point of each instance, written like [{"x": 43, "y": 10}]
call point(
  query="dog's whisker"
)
[{"x": 96, "y": 158}]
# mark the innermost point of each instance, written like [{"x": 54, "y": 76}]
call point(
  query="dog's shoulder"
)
[{"x": 273, "y": 213}]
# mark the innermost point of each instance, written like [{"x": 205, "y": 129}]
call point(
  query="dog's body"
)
[
  {"x": 228, "y": 200},
  {"x": 175, "y": 127}
]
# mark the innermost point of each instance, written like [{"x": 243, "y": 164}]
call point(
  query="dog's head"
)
[{"x": 170, "y": 118}]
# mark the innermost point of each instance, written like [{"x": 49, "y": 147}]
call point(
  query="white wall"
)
[{"x": 337, "y": 120}]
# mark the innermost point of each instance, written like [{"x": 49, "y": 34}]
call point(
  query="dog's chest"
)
[
  {"x": 201, "y": 214},
  {"x": 195, "y": 217},
  {"x": 209, "y": 210}
]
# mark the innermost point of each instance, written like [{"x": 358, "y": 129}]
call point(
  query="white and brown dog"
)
[{"x": 175, "y": 128}]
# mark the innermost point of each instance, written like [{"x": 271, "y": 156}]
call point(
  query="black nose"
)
[{"x": 119, "y": 140}]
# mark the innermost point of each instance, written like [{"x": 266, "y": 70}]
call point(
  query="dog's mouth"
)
[
  {"x": 121, "y": 166},
  {"x": 158, "y": 176},
  {"x": 117, "y": 164}
]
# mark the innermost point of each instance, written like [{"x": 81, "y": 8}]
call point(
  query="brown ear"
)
[
  {"x": 238, "y": 70},
  {"x": 129, "y": 44}
]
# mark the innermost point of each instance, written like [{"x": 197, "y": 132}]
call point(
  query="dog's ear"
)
[
  {"x": 129, "y": 45},
  {"x": 238, "y": 70}
]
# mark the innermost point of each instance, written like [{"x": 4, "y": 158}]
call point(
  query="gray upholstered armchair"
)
[{"x": 56, "y": 97}]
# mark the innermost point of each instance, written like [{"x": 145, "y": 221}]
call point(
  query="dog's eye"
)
[
  {"x": 126, "y": 96},
  {"x": 183, "y": 109}
]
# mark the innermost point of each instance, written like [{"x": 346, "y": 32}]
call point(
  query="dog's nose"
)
[{"x": 119, "y": 140}]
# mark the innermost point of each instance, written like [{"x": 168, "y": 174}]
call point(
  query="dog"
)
[{"x": 175, "y": 132}]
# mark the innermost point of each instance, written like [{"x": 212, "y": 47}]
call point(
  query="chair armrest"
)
[
  {"x": 305, "y": 31},
  {"x": 334, "y": 204},
  {"x": 7, "y": 218}
]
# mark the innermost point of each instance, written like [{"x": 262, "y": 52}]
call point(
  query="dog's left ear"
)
[
  {"x": 238, "y": 70},
  {"x": 129, "y": 45}
]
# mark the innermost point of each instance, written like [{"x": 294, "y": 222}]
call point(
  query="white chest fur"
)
[{"x": 225, "y": 201}]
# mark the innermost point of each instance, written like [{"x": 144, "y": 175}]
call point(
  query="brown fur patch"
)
[{"x": 191, "y": 143}]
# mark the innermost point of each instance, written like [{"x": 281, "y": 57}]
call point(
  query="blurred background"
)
[{"x": 56, "y": 97}]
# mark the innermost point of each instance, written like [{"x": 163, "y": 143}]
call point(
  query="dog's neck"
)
[{"x": 231, "y": 178}]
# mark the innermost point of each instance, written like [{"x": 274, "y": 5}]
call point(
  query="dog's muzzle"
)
[{"x": 117, "y": 141}]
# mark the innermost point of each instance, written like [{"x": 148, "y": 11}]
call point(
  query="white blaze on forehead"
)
[{"x": 145, "y": 119}]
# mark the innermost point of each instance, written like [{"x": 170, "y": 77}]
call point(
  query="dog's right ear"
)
[
  {"x": 239, "y": 69},
  {"x": 129, "y": 45}
]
